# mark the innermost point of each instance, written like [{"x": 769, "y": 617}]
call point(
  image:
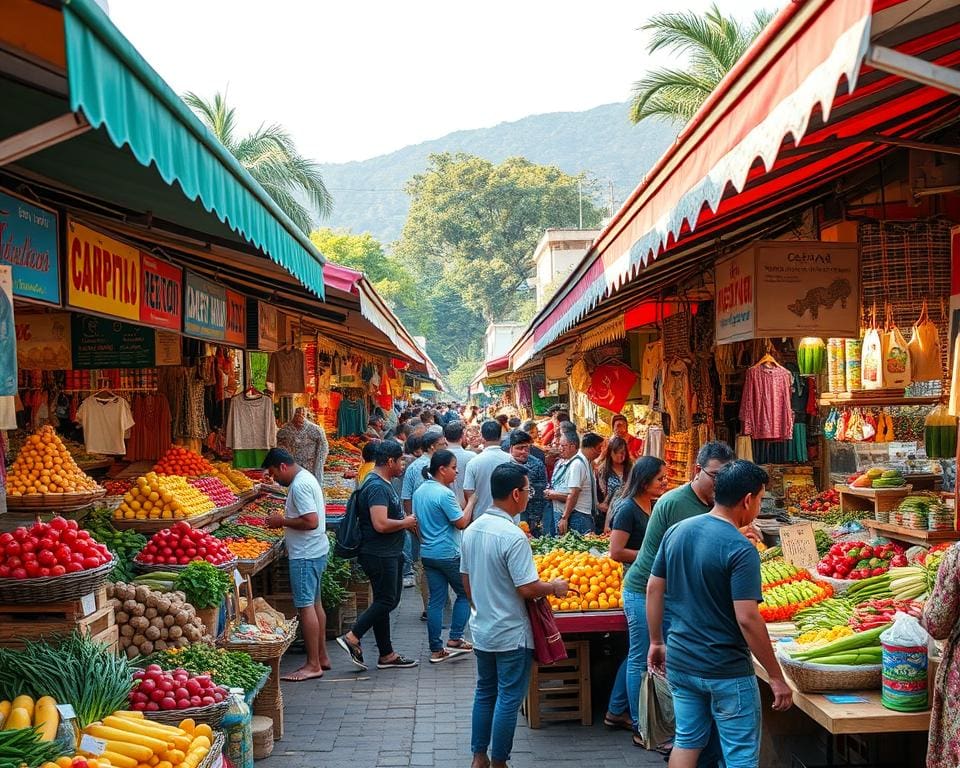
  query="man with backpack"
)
[{"x": 373, "y": 531}]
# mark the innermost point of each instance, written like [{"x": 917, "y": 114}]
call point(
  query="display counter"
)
[{"x": 591, "y": 621}]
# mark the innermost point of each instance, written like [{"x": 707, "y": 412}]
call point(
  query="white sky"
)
[{"x": 351, "y": 79}]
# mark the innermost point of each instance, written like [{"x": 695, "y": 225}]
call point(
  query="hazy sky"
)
[{"x": 351, "y": 79}]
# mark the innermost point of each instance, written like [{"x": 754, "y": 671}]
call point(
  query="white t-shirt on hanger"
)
[{"x": 105, "y": 424}]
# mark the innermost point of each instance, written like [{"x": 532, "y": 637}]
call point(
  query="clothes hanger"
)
[{"x": 767, "y": 359}]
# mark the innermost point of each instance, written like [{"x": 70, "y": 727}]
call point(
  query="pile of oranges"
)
[
  {"x": 181, "y": 461},
  {"x": 596, "y": 579},
  {"x": 44, "y": 465}
]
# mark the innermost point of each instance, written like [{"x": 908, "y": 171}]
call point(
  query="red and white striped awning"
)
[{"x": 802, "y": 102}]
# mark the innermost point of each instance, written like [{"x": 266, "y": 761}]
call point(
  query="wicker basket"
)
[
  {"x": 262, "y": 651},
  {"x": 145, "y": 568},
  {"x": 53, "y": 589},
  {"x": 212, "y": 715},
  {"x": 812, "y": 678},
  {"x": 216, "y": 749},
  {"x": 62, "y": 502},
  {"x": 197, "y": 521}
]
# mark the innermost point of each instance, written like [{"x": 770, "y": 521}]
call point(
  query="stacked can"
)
[
  {"x": 836, "y": 365},
  {"x": 853, "y": 350}
]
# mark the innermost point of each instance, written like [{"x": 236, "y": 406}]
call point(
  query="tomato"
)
[
  {"x": 47, "y": 559},
  {"x": 73, "y": 525},
  {"x": 68, "y": 537},
  {"x": 58, "y": 570},
  {"x": 18, "y": 573},
  {"x": 28, "y": 545},
  {"x": 19, "y": 534},
  {"x": 878, "y": 571},
  {"x": 33, "y": 570},
  {"x": 44, "y": 572},
  {"x": 58, "y": 524},
  {"x": 73, "y": 567},
  {"x": 12, "y": 549}
]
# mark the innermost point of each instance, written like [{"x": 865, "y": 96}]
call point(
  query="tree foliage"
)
[
  {"x": 713, "y": 43},
  {"x": 365, "y": 253},
  {"x": 271, "y": 157}
]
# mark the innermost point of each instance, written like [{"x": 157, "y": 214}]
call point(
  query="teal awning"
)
[{"x": 119, "y": 93}]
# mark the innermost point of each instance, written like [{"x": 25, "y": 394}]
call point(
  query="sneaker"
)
[
  {"x": 356, "y": 653},
  {"x": 423, "y": 616},
  {"x": 409, "y": 581},
  {"x": 400, "y": 662}
]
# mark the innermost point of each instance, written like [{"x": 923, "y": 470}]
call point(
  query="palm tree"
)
[
  {"x": 714, "y": 43},
  {"x": 271, "y": 157}
]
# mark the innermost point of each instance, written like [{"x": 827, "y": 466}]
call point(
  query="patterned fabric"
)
[
  {"x": 765, "y": 409},
  {"x": 308, "y": 446},
  {"x": 537, "y": 505},
  {"x": 941, "y": 614}
]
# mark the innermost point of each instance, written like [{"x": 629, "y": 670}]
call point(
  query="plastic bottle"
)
[{"x": 238, "y": 731}]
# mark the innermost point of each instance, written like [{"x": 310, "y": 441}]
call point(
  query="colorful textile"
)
[{"x": 765, "y": 408}]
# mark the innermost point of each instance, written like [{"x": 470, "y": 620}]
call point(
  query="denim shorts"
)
[
  {"x": 733, "y": 703},
  {"x": 305, "y": 576}
]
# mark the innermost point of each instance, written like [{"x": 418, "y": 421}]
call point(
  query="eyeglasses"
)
[{"x": 524, "y": 490}]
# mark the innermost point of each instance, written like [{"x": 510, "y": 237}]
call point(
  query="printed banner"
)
[
  {"x": 734, "y": 316},
  {"x": 169, "y": 349},
  {"x": 236, "y": 331},
  {"x": 161, "y": 292},
  {"x": 99, "y": 342},
  {"x": 205, "y": 308},
  {"x": 8, "y": 335},
  {"x": 103, "y": 274},
  {"x": 43, "y": 341},
  {"x": 29, "y": 242},
  {"x": 268, "y": 322}
]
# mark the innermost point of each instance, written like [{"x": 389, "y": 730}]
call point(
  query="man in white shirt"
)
[
  {"x": 574, "y": 493},
  {"x": 476, "y": 481},
  {"x": 454, "y": 434}
]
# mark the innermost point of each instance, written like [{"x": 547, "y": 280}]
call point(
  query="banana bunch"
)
[{"x": 912, "y": 582}]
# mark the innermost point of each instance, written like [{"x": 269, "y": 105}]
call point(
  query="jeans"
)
[
  {"x": 732, "y": 704},
  {"x": 580, "y": 522},
  {"x": 305, "y": 575},
  {"x": 626, "y": 687},
  {"x": 442, "y": 574},
  {"x": 502, "y": 680},
  {"x": 411, "y": 553},
  {"x": 386, "y": 580}
]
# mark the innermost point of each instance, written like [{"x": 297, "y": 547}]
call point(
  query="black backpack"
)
[{"x": 349, "y": 536}]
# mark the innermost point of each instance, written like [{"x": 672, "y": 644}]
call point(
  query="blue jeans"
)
[
  {"x": 732, "y": 703},
  {"x": 626, "y": 687},
  {"x": 502, "y": 680},
  {"x": 442, "y": 574},
  {"x": 580, "y": 522},
  {"x": 305, "y": 574},
  {"x": 411, "y": 553}
]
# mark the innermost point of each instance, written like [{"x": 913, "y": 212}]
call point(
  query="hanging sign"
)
[
  {"x": 43, "y": 341},
  {"x": 610, "y": 386},
  {"x": 161, "y": 292},
  {"x": 29, "y": 242},
  {"x": 168, "y": 348},
  {"x": 269, "y": 327},
  {"x": 8, "y": 335},
  {"x": 103, "y": 274},
  {"x": 799, "y": 545},
  {"x": 205, "y": 308},
  {"x": 236, "y": 330},
  {"x": 102, "y": 343},
  {"x": 778, "y": 288}
]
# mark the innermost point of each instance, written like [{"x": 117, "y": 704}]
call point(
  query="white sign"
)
[
  {"x": 92, "y": 746},
  {"x": 799, "y": 545}
]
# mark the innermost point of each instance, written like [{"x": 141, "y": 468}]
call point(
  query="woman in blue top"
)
[{"x": 440, "y": 521}]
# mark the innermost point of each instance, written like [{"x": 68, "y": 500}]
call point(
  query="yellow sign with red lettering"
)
[{"x": 103, "y": 274}]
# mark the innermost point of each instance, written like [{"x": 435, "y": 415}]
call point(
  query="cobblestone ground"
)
[{"x": 419, "y": 717}]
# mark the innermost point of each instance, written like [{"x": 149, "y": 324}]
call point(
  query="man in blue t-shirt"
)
[{"x": 709, "y": 573}]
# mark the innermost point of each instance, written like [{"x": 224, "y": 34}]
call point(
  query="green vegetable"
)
[
  {"x": 203, "y": 584},
  {"x": 335, "y": 576},
  {"x": 124, "y": 545},
  {"x": 863, "y": 656},
  {"x": 24, "y": 746},
  {"x": 853, "y": 642},
  {"x": 233, "y": 669},
  {"x": 73, "y": 669}
]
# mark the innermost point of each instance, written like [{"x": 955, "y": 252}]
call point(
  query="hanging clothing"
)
[
  {"x": 765, "y": 408},
  {"x": 352, "y": 417},
  {"x": 251, "y": 424},
  {"x": 308, "y": 446},
  {"x": 677, "y": 395},
  {"x": 286, "y": 372},
  {"x": 150, "y": 437},
  {"x": 105, "y": 423},
  {"x": 653, "y": 444},
  {"x": 651, "y": 363}
]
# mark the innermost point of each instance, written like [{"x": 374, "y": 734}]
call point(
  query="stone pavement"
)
[{"x": 419, "y": 717}]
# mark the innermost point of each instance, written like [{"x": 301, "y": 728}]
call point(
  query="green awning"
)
[{"x": 116, "y": 90}]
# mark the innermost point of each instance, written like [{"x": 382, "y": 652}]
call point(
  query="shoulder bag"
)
[{"x": 548, "y": 644}]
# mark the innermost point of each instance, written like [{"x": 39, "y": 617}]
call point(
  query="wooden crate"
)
[
  {"x": 32, "y": 622},
  {"x": 561, "y": 691}
]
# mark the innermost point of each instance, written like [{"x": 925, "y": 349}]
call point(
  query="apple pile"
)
[
  {"x": 157, "y": 690},
  {"x": 822, "y": 504},
  {"x": 49, "y": 549},
  {"x": 181, "y": 544}
]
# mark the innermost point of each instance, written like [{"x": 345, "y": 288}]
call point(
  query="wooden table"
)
[
  {"x": 871, "y": 500},
  {"x": 909, "y": 535}
]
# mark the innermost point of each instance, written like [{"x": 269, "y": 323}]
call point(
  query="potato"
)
[
  {"x": 122, "y": 617},
  {"x": 129, "y": 606},
  {"x": 127, "y": 631},
  {"x": 143, "y": 594},
  {"x": 175, "y": 632},
  {"x": 192, "y": 633},
  {"x": 152, "y": 633},
  {"x": 132, "y": 652},
  {"x": 169, "y": 620},
  {"x": 160, "y": 645},
  {"x": 138, "y": 609},
  {"x": 157, "y": 622},
  {"x": 150, "y": 613},
  {"x": 138, "y": 640},
  {"x": 146, "y": 648},
  {"x": 124, "y": 642},
  {"x": 163, "y": 606},
  {"x": 181, "y": 642}
]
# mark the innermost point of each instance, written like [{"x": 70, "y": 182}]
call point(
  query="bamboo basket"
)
[
  {"x": 145, "y": 568},
  {"x": 53, "y": 589},
  {"x": 212, "y": 715},
  {"x": 266, "y": 651},
  {"x": 63, "y": 502},
  {"x": 812, "y": 678}
]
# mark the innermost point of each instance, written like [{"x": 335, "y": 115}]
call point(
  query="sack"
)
[
  {"x": 349, "y": 536},
  {"x": 896, "y": 359},
  {"x": 655, "y": 719},
  {"x": 871, "y": 361},
  {"x": 925, "y": 349},
  {"x": 548, "y": 644}
]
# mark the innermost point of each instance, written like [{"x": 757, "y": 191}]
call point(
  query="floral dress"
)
[
  {"x": 940, "y": 617},
  {"x": 308, "y": 446}
]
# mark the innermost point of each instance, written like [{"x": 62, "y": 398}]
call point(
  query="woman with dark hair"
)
[
  {"x": 440, "y": 520},
  {"x": 610, "y": 477},
  {"x": 647, "y": 482}
]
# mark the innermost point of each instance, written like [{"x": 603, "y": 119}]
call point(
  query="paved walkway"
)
[{"x": 419, "y": 717}]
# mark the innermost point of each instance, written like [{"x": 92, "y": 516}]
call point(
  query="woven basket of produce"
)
[
  {"x": 53, "y": 589},
  {"x": 59, "y": 502},
  {"x": 145, "y": 568},
  {"x": 812, "y": 678},
  {"x": 216, "y": 749},
  {"x": 264, "y": 650},
  {"x": 212, "y": 715}
]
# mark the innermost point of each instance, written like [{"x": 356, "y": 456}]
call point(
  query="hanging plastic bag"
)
[
  {"x": 924, "y": 349},
  {"x": 896, "y": 355},
  {"x": 655, "y": 719},
  {"x": 830, "y": 425},
  {"x": 871, "y": 360}
]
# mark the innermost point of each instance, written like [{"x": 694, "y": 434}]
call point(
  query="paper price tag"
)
[
  {"x": 237, "y": 578},
  {"x": 92, "y": 746},
  {"x": 799, "y": 545},
  {"x": 88, "y": 604},
  {"x": 66, "y": 711}
]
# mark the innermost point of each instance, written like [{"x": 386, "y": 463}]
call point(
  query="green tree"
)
[
  {"x": 364, "y": 253},
  {"x": 459, "y": 377},
  {"x": 713, "y": 43},
  {"x": 476, "y": 224},
  {"x": 271, "y": 157}
]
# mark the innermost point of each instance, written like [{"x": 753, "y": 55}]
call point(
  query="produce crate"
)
[
  {"x": 561, "y": 691},
  {"x": 94, "y": 615}
]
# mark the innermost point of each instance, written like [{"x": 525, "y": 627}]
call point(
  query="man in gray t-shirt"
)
[{"x": 500, "y": 576}]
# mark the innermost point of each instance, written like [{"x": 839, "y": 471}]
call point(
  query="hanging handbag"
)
[
  {"x": 924, "y": 346},
  {"x": 548, "y": 644},
  {"x": 896, "y": 355}
]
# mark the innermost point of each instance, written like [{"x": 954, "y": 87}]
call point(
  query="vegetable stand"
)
[{"x": 871, "y": 500}]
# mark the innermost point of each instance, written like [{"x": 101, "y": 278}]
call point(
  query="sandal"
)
[
  {"x": 444, "y": 656},
  {"x": 355, "y": 651},
  {"x": 618, "y": 722},
  {"x": 456, "y": 647}
]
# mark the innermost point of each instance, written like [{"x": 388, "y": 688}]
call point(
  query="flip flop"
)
[
  {"x": 440, "y": 659},
  {"x": 462, "y": 647},
  {"x": 296, "y": 677}
]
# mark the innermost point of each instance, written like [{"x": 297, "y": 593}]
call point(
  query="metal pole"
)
[{"x": 580, "y": 198}]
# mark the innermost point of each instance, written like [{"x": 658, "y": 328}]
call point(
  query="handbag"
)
[{"x": 548, "y": 644}]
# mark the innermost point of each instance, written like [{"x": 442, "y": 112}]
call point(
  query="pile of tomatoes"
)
[
  {"x": 180, "y": 461},
  {"x": 49, "y": 549},
  {"x": 859, "y": 560},
  {"x": 158, "y": 690},
  {"x": 181, "y": 544}
]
